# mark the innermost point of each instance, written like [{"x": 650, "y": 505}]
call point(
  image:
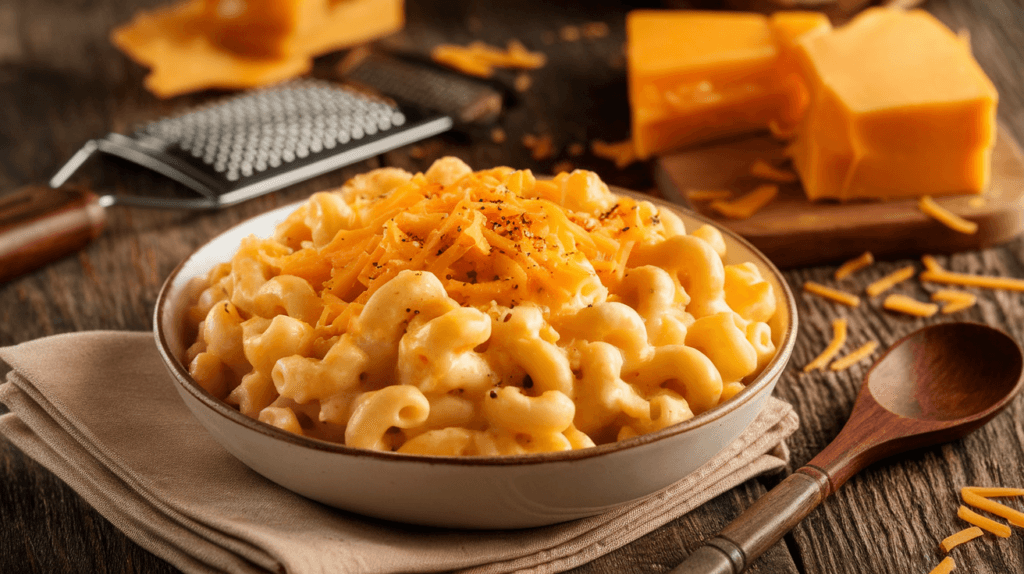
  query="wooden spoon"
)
[{"x": 933, "y": 386}]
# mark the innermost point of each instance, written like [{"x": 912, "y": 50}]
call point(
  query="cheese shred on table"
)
[
  {"x": 998, "y": 528},
  {"x": 909, "y": 306},
  {"x": 954, "y": 540},
  {"x": 854, "y": 265},
  {"x": 862, "y": 352},
  {"x": 954, "y": 300},
  {"x": 890, "y": 281},
  {"x": 829, "y": 293},
  {"x": 1014, "y": 517},
  {"x": 838, "y": 340},
  {"x": 945, "y": 567}
]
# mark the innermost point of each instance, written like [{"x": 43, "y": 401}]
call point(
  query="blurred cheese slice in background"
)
[
  {"x": 695, "y": 76},
  {"x": 234, "y": 44},
  {"x": 898, "y": 108}
]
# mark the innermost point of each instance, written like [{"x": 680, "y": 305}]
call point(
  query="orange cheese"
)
[
  {"x": 787, "y": 29},
  {"x": 235, "y": 44},
  {"x": 696, "y": 76},
  {"x": 260, "y": 27},
  {"x": 898, "y": 107}
]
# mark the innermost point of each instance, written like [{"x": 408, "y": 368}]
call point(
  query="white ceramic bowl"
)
[{"x": 471, "y": 492}]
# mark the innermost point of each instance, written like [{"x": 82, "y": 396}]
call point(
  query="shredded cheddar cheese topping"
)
[{"x": 497, "y": 235}]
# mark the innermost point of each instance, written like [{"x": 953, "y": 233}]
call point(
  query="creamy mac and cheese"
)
[{"x": 489, "y": 313}]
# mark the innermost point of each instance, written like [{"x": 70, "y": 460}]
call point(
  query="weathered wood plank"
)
[{"x": 62, "y": 84}]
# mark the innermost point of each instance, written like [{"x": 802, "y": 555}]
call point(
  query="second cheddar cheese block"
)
[
  {"x": 787, "y": 29},
  {"x": 898, "y": 108},
  {"x": 696, "y": 76}
]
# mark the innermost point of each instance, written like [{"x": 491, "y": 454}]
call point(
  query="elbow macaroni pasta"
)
[{"x": 479, "y": 313}]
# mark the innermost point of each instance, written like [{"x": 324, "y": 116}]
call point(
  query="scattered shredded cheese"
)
[
  {"x": 838, "y": 340},
  {"x": 904, "y": 304},
  {"x": 707, "y": 194},
  {"x": 986, "y": 281},
  {"x": 746, "y": 206},
  {"x": 954, "y": 540},
  {"x": 764, "y": 170},
  {"x": 992, "y": 491},
  {"x": 622, "y": 153},
  {"x": 1015, "y": 517},
  {"x": 946, "y": 217},
  {"x": 998, "y": 528},
  {"x": 890, "y": 281},
  {"x": 833, "y": 294},
  {"x": 480, "y": 59},
  {"x": 930, "y": 263},
  {"x": 854, "y": 265},
  {"x": 945, "y": 567},
  {"x": 954, "y": 300},
  {"x": 853, "y": 358}
]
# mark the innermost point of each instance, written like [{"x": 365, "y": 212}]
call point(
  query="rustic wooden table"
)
[{"x": 62, "y": 83}]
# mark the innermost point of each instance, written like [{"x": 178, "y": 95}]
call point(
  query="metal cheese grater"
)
[{"x": 261, "y": 141}]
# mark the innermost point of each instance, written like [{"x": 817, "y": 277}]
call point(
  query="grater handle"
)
[{"x": 40, "y": 224}]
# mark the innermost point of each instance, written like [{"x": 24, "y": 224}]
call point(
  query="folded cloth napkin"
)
[{"x": 99, "y": 410}]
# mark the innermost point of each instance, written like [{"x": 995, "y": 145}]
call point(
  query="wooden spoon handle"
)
[
  {"x": 760, "y": 526},
  {"x": 39, "y": 224}
]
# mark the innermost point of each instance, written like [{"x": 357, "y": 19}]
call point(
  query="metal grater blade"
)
[
  {"x": 467, "y": 100},
  {"x": 264, "y": 140}
]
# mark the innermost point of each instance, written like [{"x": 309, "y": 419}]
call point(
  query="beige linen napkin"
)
[{"x": 99, "y": 410}]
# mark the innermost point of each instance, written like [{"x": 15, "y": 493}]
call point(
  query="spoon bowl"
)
[
  {"x": 947, "y": 372},
  {"x": 935, "y": 385}
]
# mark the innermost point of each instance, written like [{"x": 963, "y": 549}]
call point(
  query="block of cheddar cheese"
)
[
  {"x": 700, "y": 75},
  {"x": 898, "y": 108},
  {"x": 200, "y": 44}
]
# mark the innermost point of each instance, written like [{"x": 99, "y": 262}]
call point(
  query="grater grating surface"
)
[{"x": 262, "y": 141}]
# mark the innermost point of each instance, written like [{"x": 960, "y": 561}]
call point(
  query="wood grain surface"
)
[{"x": 62, "y": 83}]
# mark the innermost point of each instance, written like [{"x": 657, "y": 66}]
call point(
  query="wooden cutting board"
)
[{"x": 794, "y": 232}]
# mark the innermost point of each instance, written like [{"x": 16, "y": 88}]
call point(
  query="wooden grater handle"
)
[{"x": 39, "y": 224}]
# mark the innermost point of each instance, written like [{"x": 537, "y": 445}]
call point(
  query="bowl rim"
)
[{"x": 771, "y": 372}]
